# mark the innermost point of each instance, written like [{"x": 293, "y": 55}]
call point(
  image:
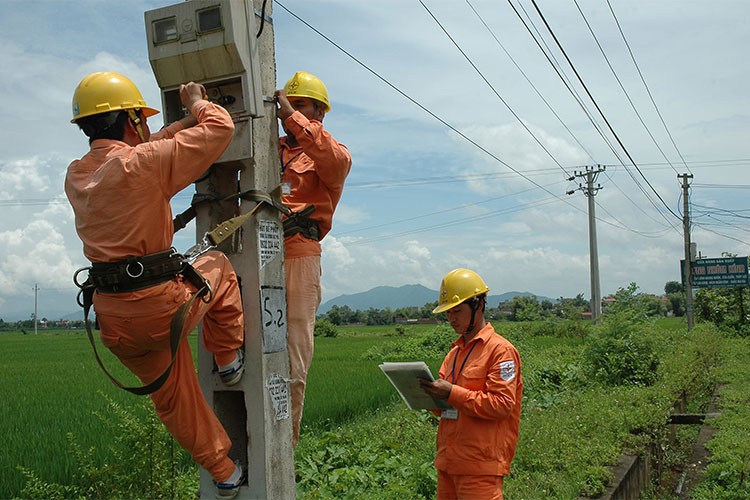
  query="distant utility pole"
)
[
  {"x": 36, "y": 293},
  {"x": 591, "y": 174},
  {"x": 688, "y": 258}
]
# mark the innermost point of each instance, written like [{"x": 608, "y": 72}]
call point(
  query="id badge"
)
[
  {"x": 286, "y": 188},
  {"x": 449, "y": 414}
]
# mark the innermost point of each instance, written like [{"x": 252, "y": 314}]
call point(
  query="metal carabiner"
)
[
  {"x": 134, "y": 275},
  {"x": 75, "y": 277}
]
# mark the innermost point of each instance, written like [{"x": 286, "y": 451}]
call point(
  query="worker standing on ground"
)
[
  {"x": 120, "y": 193},
  {"x": 314, "y": 167},
  {"x": 481, "y": 379}
]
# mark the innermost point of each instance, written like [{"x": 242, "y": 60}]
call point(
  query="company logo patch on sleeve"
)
[{"x": 507, "y": 370}]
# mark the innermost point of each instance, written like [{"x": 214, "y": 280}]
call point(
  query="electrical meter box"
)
[{"x": 211, "y": 42}]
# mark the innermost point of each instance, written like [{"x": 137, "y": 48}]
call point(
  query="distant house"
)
[
  {"x": 607, "y": 301},
  {"x": 402, "y": 320}
]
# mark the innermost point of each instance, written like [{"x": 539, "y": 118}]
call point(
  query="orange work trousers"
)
[
  {"x": 140, "y": 339},
  {"x": 302, "y": 301},
  {"x": 468, "y": 487}
]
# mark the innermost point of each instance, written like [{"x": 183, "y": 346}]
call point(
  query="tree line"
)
[
  {"x": 43, "y": 323},
  {"x": 522, "y": 308}
]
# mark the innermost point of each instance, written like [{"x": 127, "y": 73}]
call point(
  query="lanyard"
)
[{"x": 454, "y": 377}]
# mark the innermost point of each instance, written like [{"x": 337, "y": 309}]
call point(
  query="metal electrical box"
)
[{"x": 211, "y": 42}]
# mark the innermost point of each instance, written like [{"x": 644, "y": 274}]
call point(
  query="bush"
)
[
  {"x": 324, "y": 328},
  {"x": 433, "y": 346},
  {"x": 564, "y": 328},
  {"x": 620, "y": 352}
]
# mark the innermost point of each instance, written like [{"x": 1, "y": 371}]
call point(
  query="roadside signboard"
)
[{"x": 718, "y": 273}]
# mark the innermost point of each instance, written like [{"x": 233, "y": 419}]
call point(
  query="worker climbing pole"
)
[{"x": 228, "y": 47}]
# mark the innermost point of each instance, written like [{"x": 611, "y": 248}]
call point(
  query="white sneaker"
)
[
  {"x": 229, "y": 489},
  {"x": 232, "y": 373}
]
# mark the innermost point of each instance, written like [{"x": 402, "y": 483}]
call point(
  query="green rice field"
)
[{"x": 52, "y": 387}]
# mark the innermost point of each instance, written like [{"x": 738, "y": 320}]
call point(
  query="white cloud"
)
[
  {"x": 35, "y": 253},
  {"x": 347, "y": 214}
]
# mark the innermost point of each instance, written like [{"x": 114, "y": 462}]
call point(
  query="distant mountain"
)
[
  {"x": 382, "y": 297},
  {"x": 52, "y": 314}
]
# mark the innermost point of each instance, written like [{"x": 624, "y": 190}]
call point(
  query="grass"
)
[
  {"x": 341, "y": 384},
  {"x": 359, "y": 440},
  {"x": 728, "y": 473}
]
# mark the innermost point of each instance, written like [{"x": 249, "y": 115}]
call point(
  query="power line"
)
[
  {"x": 528, "y": 80},
  {"x": 622, "y": 87},
  {"x": 648, "y": 90},
  {"x": 601, "y": 113},
  {"x": 454, "y": 222},
  {"x": 484, "y": 78},
  {"x": 433, "y": 214},
  {"x": 553, "y": 62},
  {"x": 539, "y": 40}
]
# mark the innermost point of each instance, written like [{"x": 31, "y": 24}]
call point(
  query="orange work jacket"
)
[
  {"x": 487, "y": 391},
  {"x": 120, "y": 196},
  {"x": 313, "y": 173}
]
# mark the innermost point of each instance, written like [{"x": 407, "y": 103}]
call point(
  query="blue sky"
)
[{"x": 458, "y": 161}]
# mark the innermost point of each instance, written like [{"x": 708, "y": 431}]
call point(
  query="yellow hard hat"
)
[
  {"x": 107, "y": 91},
  {"x": 303, "y": 84},
  {"x": 457, "y": 287}
]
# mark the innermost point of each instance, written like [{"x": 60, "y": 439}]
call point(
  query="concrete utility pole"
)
[
  {"x": 36, "y": 308},
  {"x": 591, "y": 174},
  {"x": 688, "y": 272},
  {"x": 228, "y": 46}
]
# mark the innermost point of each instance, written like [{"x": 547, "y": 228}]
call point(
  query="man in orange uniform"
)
[
  {"x": 120, "y": 192},
  {"x": 314, "y": 167},
  {"x": 481, "y": 379}
]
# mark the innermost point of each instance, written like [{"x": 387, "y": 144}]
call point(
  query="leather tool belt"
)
[{"x": 136, "y": 273}]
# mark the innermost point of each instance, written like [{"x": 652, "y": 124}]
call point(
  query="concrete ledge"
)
[{"x": 632, "y": 476}]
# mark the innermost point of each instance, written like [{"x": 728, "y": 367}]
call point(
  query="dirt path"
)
[{"x": 699, "y": 458}]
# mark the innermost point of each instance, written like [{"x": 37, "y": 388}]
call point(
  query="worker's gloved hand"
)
[
  {"x": 284, "y": 108},
  {"x": 190, "y": 93}
]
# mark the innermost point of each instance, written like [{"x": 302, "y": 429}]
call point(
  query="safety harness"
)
[
  {"x": 137, "y": 273},
  {"x": 294, "y": 222}
]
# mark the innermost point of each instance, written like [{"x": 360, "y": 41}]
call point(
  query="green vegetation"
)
[
  {"x": 76, "y": 435},
  {"x": 728, "y": 473}
]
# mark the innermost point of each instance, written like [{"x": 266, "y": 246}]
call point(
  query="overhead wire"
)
[
  {"x": 528, "y": 80},
  {"x": 622, "y": 87},
  {"x": 492, "y": 87},
  {"x": 648, "y": 89},
  {"x": 454, "y": 222},
  {"x": 601, "y": 113},
  {"x": 547, "y": 53},
  {"x": 351, "y": 56},
  {"x": 451, "y": 127},
  {"x": 632, "y": 202},
  {"x": 440, "y": 180},
  {"x": 433, "y": 214}
]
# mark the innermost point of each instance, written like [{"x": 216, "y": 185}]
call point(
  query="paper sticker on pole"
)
[
  {"x": 273, "y": 310},
  {"x": 269, "y": 241}
]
